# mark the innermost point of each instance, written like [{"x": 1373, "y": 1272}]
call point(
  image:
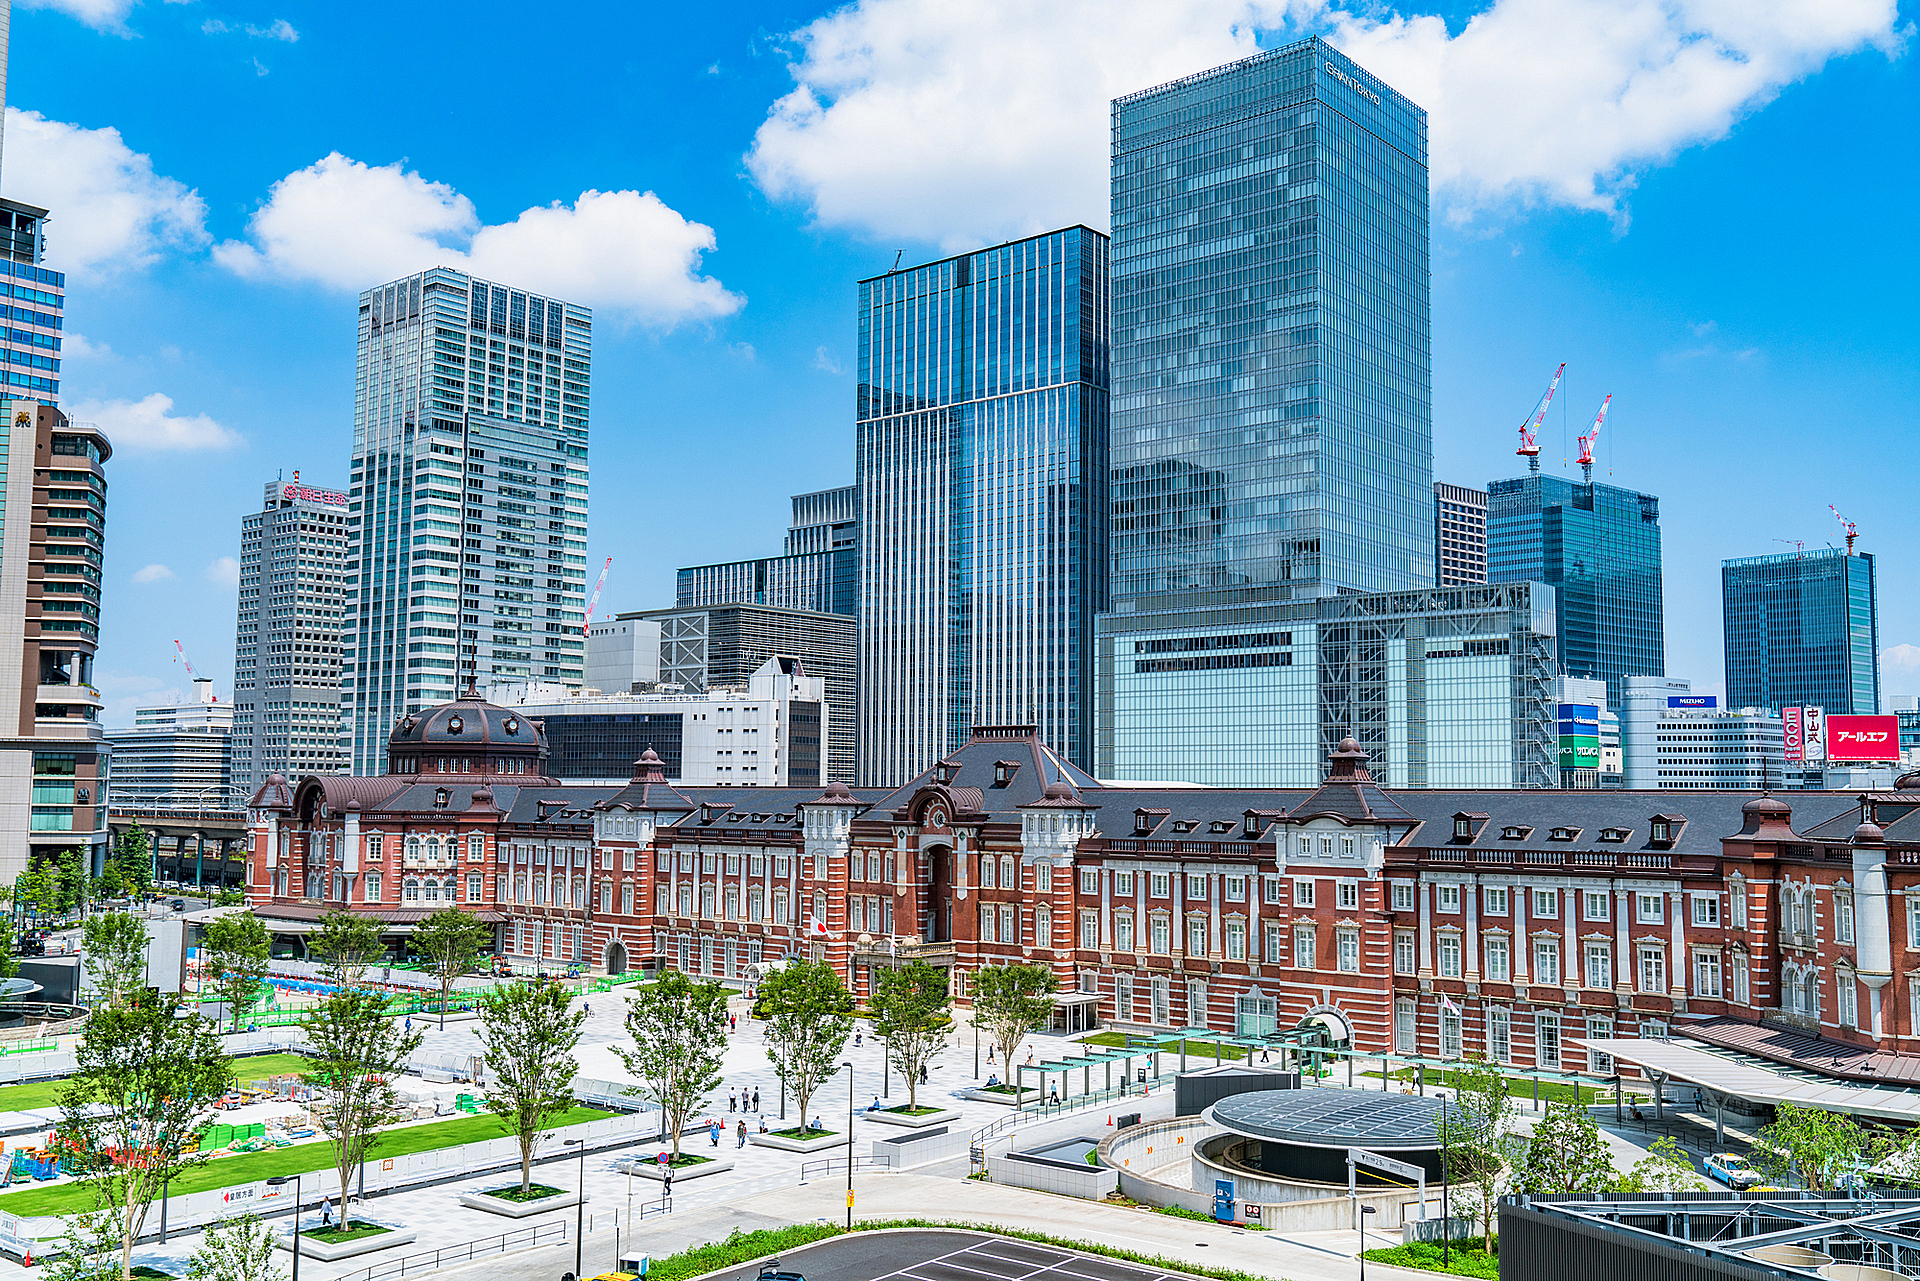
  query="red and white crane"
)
[
  {"x": 180, "y": 653},
  {"x": 1530, "y": 426},
  {"x": 1851, "y": 530},
  {"x": 1586, "y": 442},
  {"x": 594, "y": 599}
]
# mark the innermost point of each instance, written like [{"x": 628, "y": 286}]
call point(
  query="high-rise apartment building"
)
[
  {"x": 179, "y": 755},
  {"x": 1599, "y": 547},
  {"x": 1272, "y": 411},
  {"x": 287, "y": 639},
  {"x": 981, "y": 461},
  {"x": 1459, "y": 535},
  {"x": 819, "y": 570},
  {"x": 1802, "y": 630},
  {"x": 53, "y": 517},
  {"x": 32, "y": 304},
  {"x": 468, "y": 497}
]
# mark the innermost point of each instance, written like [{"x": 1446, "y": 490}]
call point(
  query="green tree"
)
[
  {"x": 9, "y": 953},
  {"x": 158, "y": 1070},
  {"x": 1665, "y": 1168},
  {"x": 529, "y": 1031},
  {"x": 115, "y": 944},
  {"x": 809, "y": 1016},
  {"x": 1820, "y": 1148},
  {"x": 356, "y": 1049},
  {"x": 450, "y": 939},
  {"x": 73, "y": 881},
  {"x": 109, "y": 884},
  {"x": 88, "y": 1250},
  {"x": 234, "y": 951},
  {"x": 1012, "y": 1002},
  {"x": 241, "y": 1249},
  {"x": 679, "y": 1031},
  {"x": 39, "y": 888},
  {"x": 1566, "y": 1154},
  {"x": 910, "y": 1009},
  {"x": 345, "y": 945},
  {"x": 1478, "y": 1130},
  {"x": 133, "y": 854},
  {"x": 229, "y": 896}
]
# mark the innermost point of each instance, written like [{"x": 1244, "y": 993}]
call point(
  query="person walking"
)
[
  {"x": 743, "y": 1135},
  {"x": 756, "y": 1100},
  {"x": 326, "y": 1212},
  {"x": 713, "y": 1132},
  {"x": 856, "y": 1036},
  {"x": 732, "y": 1100}
]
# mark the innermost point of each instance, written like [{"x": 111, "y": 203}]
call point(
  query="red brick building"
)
[{"x": 1502, "y": 923}]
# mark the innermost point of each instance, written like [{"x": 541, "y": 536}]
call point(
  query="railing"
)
[
  {"x": 814, "y": 1169},
  {"x": 1550, "y": 858},
  {"x": 429, "y": 1260},
  {"x": 1133, "y": 846}
]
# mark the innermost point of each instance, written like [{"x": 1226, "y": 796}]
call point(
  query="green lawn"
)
[
  {"x": 304, "y": 1158},
  {"x": 358, "y": 1229},
  {"x": 1467, "y": 1260},
  {"x": 1195, "y": 1049},
  {"x": 1521, "y": 1088},
  {"x": 44, "y": 1094}
]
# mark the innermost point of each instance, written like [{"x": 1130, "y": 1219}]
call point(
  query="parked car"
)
[
  {"x": 178, "y": 905},
  {"x": 1732, "y": 1170}
]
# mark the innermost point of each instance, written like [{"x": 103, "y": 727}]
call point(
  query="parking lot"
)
[{"x": 928, "y": 1255}]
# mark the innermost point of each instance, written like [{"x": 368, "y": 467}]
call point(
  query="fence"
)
[
  {"x": 815, "y": 1169},
  {"x": 429, "y": 1260}
]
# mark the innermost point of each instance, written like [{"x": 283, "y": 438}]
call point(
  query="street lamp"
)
[
  {"x": 849, "y": 1068},
  {"x": 580, "y": 1206},
  {"x": 1365, "y": 1210},
  {"x": 275, "y": 1182}
]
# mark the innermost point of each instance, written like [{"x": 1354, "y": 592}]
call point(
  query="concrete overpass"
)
[{"x": 190, "y": 845}]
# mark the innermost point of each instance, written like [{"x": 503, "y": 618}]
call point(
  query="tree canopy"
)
[
  {"x": 679, "y": 1031},
  {"x": 1012, "y": 1002},
  {"x": 909, "y": 1008},
  {"x": 529, "y": 1030},
  {"x": 234, "y": 952},
  {"x": 809, "y": 1015}
]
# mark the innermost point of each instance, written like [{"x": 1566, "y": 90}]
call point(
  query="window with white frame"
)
[
  {"x": 1089, "y": 880},
  {"x": 1706, "y": 974},
  {"x": 1273, "y": 889},
  {"x": 1123, "y": 931},
  {"x": 1043, "y": 878},
  {"x": 1599, "y": 964},
  {"x": 1276, "y": 945},
  {"x": 473, "y": 887},
  {"x": 1447, "y": 897},
  {"x": 1842, "y": 916},
  {"x": 1196, "y": 887},
  {"x": 1162, "y": 934},
  {"x": 1546, "y": 960},
  {"x": 1649, "y": 908},
  {"x": 1346, "y": 847},
  {"x": 1235, "y": 889},
  {"x": 1405, "y": 1013},
  {"x": 1347, "y": 947},
  {"x": 1596, "y": 904},
  {"x": 1196, "y": 936},
  {"x": 1090, "y": 930},
  {"x": 1303, "y": 893},
  {"x": 1449, "y": 1033},
  {"x": 1742, "y": 981},
  {"x": 1547, "y": 1047},
  {"x": 1737, "y": 903},
  {"x": 375, "y": 844},
  {"x": 1042, "y": 925},
  {"x": 1495, "y": 900},
  {"x": 1403, "y": 896},
  {"x": 1326, "y": 847},
  {"x": 1599, "y": 1029},
  {"x": 371, "y": 891},
  {"x": 1653, "y": 968},
  {"x": 1123, "y": 884},
  {"x": 1009, "y": 873},
  {"x": 1498, "y": 965},
  {"x": 1499, "y": 1035},
  {"x": 986, "y": 872},
  {"x": 1303, "y": 947},
  {"x": 1706, "y": 909},
  {"x": 1236, "y": 940},
  {"x": 1162, "y": 885},
  {"x": 1403, "y": 951},
  {"x": 1848, "y": 992},
  {"x": 1546, "y": 904},
  {"x": 1346, "y": 894},
  {"x": 1449, "y": 956},
  {"x": 1009, "y": 923}
]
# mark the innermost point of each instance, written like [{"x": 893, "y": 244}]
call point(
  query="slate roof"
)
[
  {"x": 1804, "y": 1050},
  {"x": 649, "y": 789}
]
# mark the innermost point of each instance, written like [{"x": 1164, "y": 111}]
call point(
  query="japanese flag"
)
[
  {"x": 816, "y": 928},
  {"x": 1446, "y": 1003}
]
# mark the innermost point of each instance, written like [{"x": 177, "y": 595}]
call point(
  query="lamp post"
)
[
  {"x": 1365, "y": 1210},
  {"x": 1446, "y": 1214},
  {"x": 276, "y": 1181},
  {"x": 849, "y": 1068},
  {"x": 580, "y": 1206}
]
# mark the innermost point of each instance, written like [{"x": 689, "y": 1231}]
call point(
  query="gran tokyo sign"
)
[{"x": 1352, "y": 84}]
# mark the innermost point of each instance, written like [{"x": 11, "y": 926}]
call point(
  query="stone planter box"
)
[
  {"x": 821, "y": 1144},
  {"x": 939, "y": 1117},
  {"x": 312, "y": 1249},
  {"x": 993, "y": 1096},
  {"x": 520, "y": 1209},
  {"x": 658, "y": 1173}
]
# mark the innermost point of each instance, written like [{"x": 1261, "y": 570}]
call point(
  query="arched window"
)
[
  {"x": 413, "y": 847},
  {"x": 433, "y": 890},
  {"x": 433, "y": 847},
  {"x": 579, "y": 891},
  {"x": 1810, "y": 993},
  {"x": 519, "y": 887},
  {"x": 410, "y": 891}
]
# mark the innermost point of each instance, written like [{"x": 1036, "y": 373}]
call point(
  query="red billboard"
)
[
  {"x": 1790, "y": 721},
  {"x": 1863, "y": 738}
]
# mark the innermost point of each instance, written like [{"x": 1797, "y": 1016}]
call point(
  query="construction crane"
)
[
  {"x": 1799, "y": 546},
  {"x": 1851, "y": 530},
  {"x": 180, "y": 655},
  {"x": 594, "y": 599},
  {"x": 1586, "y": 442},
  {"x": 1530, "y": 427}
]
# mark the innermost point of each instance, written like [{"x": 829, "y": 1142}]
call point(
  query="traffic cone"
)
[{"x": 1109, "y": 1120}]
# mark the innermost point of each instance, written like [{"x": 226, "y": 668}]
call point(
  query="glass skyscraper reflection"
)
[
  {"x": 1599, "y": 546},
  {"x": 981, "y": 464},
  {"x": 1272, "y": 419},
  {"x": 1802, "y": 630}
]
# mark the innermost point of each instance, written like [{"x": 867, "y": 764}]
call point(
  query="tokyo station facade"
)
[{"x": 1504, "y": 924}]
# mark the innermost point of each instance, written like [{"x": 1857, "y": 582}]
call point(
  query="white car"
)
[{"x": 1732, "y": 1170}]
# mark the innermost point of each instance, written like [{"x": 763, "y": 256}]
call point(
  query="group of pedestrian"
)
[{"x": 740, "y": 1101}]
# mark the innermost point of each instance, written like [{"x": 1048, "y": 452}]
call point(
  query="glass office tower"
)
[
  {"x": 981, "y": 461},
  {"x": 818, "y": 571},
  {"x": 1272, "y": 410},
  {"x": 467, "y": 514},
  {"x": 1600, "y": 549},
  {"x": 1802, "y": 631}
]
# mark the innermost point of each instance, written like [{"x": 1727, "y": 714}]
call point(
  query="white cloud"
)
[
  {"x": 224, "y": 571},
  {"x": 348, "y": 225},
  {"x": 79, "y": 347},
  {"x": 150, "y": 424},
  {"x": 967, "y": 121},
  {"x": 101, "y": 15},
  {"x": 112, "y": 212},
  {"x": 1904, "y": 657},
  {"x": 825, "y": 361},
  {"x": 280, "y": 29},
  {"x": 152, "y": 574}
]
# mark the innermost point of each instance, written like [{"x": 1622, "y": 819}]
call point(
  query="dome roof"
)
[
  {"x": 1766, "y": 805},
  {"x": 469, "y": 723},
  {"x": 1868, "y": 834}
]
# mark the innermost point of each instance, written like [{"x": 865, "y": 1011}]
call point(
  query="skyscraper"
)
[
  {"x": 1272, "y": 416},
  {"x": 981, "y": 461},
  {"x": 468, "y": 512},
  {"x": 287, "y": 639},
  {"x": 1599, "y": 547},
  {"x": 819, "y": 569},
  {"x": 1802, "y": 630},
  {"x": 1459, "y": 534}
]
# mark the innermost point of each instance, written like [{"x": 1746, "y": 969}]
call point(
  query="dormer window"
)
[
  {"x": 1614, "y": 835},
  {"x": 709, "y": 811},
  {"x": 1253, "y": 824},
  {"x": 1506, "y": 833},
  {"x": 1220, "y": 826},
  {"x": 943, "y": 772},
  {"x": 512, "y": 725},
  {"x": 1462, "y": 829},
  {"x": 455, "y": 724},
  {"x": 1662, "y": 830},
  {"x": 1003, "y": 772},
  {"x": 440, "y": 797},
  {"x": 1185, "y": 825},
  {"x": 1563, "y": 833},
  {"x": 1144, "y": 821}
]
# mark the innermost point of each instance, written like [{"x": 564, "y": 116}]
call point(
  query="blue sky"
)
[{"x": 1706, "y": 214}]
